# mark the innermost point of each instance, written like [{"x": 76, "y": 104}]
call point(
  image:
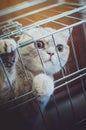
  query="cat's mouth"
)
[{"x": 49, "y": 61}]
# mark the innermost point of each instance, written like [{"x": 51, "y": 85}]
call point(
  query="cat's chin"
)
[{"x": 51, "y": 69}]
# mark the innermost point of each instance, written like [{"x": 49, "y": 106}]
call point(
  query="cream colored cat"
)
[{"x": 53, "y": 55}]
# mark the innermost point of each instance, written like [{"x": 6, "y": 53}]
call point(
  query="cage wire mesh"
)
[{"x": 67, "y": 106}]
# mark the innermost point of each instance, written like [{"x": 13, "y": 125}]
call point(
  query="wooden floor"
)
[
  {"x": 6, "y": 4},
  {"x": 11, "y": 3}
]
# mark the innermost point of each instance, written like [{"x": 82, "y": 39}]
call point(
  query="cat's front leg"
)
[{"x": 44, "y": 87}]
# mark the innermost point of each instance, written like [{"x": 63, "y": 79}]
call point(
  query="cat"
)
[{"x": 40, "y": 70}]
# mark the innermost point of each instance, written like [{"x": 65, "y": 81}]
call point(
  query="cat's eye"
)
[
  {"x": 60, "y": 47},
  {"x": 40, "y": 44}
]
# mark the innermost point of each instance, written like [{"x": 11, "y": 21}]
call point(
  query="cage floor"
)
[{"x": 63, "y": 117}]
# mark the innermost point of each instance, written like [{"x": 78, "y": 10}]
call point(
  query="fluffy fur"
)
[{"x": 40, "y": 74}]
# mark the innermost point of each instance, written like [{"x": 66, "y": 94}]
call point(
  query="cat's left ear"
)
[
  {"x": 66, "y": 34},
  {"x": 63, "y": 36}
]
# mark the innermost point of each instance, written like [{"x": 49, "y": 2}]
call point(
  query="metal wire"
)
[
  {"x": 5, "y": 71},
  {"x": 23, "y": 66},
  {"x": 67, "y": 88},
  {"x": 77, "y": 66}
]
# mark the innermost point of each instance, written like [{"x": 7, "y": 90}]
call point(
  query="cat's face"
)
[{"x": 53, "y": 53}]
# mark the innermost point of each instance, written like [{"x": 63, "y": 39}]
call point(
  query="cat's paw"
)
[
  {"x": 8, "y": 52},
  {"x": 43, "y": 85},
  {"x": 7, "y": 45}
]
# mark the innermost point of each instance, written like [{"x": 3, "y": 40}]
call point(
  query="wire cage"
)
[{"x": 67, "y": 106}]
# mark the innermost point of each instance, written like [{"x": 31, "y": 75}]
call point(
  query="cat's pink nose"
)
[{"x": 51, "y": 54}]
